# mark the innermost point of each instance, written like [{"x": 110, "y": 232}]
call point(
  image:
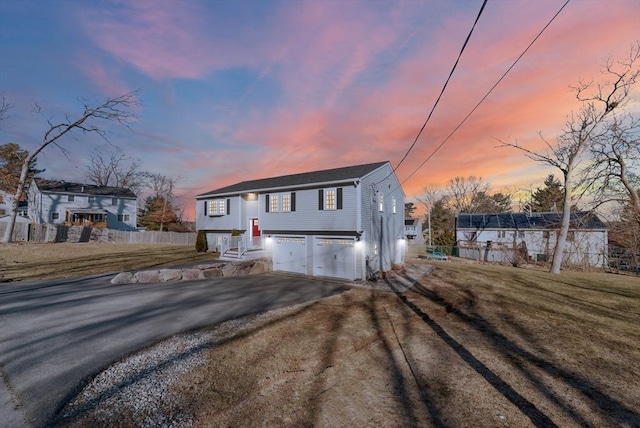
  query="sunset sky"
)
[{"x": 240, "y": 90}]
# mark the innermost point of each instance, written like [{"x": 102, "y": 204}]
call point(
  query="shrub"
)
[{"x": 201, "y": 242}]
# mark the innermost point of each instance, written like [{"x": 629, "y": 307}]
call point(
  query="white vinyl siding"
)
[{"x": 306, "y": 215}]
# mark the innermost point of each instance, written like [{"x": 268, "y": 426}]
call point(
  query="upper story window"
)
[
  {"x": 280, "y": 202},
  {"x": 71, "y": 198},
  {"x": 380, "y": 202},
  {"x": 274, "y": 202},
  {"x": 502, "y": 234},
  {"x": 92, "y": 199},
  {"x": 217, "y": 207},
  {"x": 330, "y": 199},
  {"x": 114, "y": 201},
  {"x": 55, "y": 216},
  {"x": 393, "y": 205},
  {"x": 124, "y": 217}
]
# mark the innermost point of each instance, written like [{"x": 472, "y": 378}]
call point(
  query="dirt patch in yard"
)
[{"x": 466, "y": 346}]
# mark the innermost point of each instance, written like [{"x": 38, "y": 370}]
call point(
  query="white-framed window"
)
[
  {"x": 502, "y": 234},
  {"x": 71, "y": 198},
  {"x": 55, "y": 216},
  {"x": 124, "y": 217},
  {"x": 92, "y": 199},
  {"x": 217, "y": 207},
  {"x": 274, "y": 203},
  {"x": 393, "y": 205},
  {"x": 114, "y": 201},
  {"x": 521, "y": 234},
  {"x": 286, "y": 202},
  {"x": 380, "y": 202},
  {"x": 330, "y": 199}
]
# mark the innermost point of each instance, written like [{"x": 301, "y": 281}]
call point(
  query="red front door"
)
[{"x": 255, "y": 227}]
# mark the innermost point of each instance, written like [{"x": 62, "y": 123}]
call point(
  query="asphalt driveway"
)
[{"x": 55, "y": 335}]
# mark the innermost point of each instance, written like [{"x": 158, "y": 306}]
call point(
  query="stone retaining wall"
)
[{"x": 204, "y": 271}]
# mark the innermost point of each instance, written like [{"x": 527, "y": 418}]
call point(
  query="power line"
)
[
  {"x": 484, "y": 3},
  {"x": 444, "y": 87},
  {"x": 487, "y": 94}
]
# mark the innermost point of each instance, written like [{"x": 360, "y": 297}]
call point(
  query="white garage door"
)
[
  {"x": 290, "y": 254},
  {"x": 334, "y": 257}
]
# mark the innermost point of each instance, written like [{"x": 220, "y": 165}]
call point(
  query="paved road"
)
[{"x": 55, "y": 335}]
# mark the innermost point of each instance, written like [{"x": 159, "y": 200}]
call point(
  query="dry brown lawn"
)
[
  {"x": 32, "y": 261},
  {"x": 469, "y": 345}
]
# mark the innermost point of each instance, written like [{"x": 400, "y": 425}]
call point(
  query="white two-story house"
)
[
  {"x": 342, "y": 222},
  {"x": 76, "y": 204},
  {"x": 532, "y": 236}
]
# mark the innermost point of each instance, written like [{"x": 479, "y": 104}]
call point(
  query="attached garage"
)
[
  {"x": 334, "y": 257},
  {"x": 290, "y": 254}
]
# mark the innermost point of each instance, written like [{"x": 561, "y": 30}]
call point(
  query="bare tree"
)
[
  {"x": 116, "y": 169},
  {"x": 615, "y": 155},
  {"x": 5, "y": 106},
  {"x": 598, "y": 102},
  {"x": 465, "y": 194},
  {"x": 429, "y": 196},
  {"x": 113, "y": 110}
]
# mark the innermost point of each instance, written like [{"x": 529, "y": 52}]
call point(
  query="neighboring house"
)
[
  {"x": 413, "y": 231},
  {"x": 75, "y": 204},
  {"x": 332, "y": 223},
  {"x": 6, "y": 208},
  {"x": 531, "y": 236}
]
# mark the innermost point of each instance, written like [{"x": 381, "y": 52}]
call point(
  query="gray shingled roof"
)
[
  {"x": 52, "y": 186},
  {"x": 306, "y": 178},
  {"x": 579, "y": 220}
]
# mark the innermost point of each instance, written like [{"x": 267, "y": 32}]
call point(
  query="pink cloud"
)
[{"x": 339, "y": 106}]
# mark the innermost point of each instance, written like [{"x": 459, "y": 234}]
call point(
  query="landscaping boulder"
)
[
  {"x": 170, "y": 274},
  {"x": 230, "y": 269},
  {"x": 123, "y": 278},
  {"x": 259, "y": 266},
  {"x": 213, "y": 272},
  {"x": 147, "y": 276},
  {"x": 189, "y": 274}
]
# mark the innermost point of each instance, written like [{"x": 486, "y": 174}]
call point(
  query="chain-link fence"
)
[{"x": 518, "y": 256}]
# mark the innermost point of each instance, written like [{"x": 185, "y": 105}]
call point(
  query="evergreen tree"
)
[
  {"x": 548, "y": 198},
  {"x": 442, "y": 226},
  {"x": 409, "y": 208},
  {"x": 11, "y": 159},
  {"x": 157, "y": 214}
]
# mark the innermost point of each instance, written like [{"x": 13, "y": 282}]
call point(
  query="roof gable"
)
[
  {"x": 52, "y": 186},
  {"x": 306, "y": 178},
  {"x": 579, "y": 220}
]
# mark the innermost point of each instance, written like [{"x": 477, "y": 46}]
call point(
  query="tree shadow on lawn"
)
[{"x": 617, "y": 412}]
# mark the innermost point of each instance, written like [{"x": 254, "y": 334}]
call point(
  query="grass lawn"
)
[
  {"x": 33, "y": 261},
  {"x": 469, "y": 345}
]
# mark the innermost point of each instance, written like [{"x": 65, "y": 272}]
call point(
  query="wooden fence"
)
[{"x": 24, "y": 232}]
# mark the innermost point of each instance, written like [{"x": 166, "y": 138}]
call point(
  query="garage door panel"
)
[
  {"x": 334, "y": 257},
  {"x": 290, "y": 254}
]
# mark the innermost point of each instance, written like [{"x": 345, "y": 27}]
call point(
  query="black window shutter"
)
[
  {"x": 339, "y": 198},
  {"x": 205, "y": 207},
  {"x": 293, "y": 201},
  {"x": 266, "y": 205},
  {"x": 228, "y": 206},
  {"x": 320, "y": 199}
]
